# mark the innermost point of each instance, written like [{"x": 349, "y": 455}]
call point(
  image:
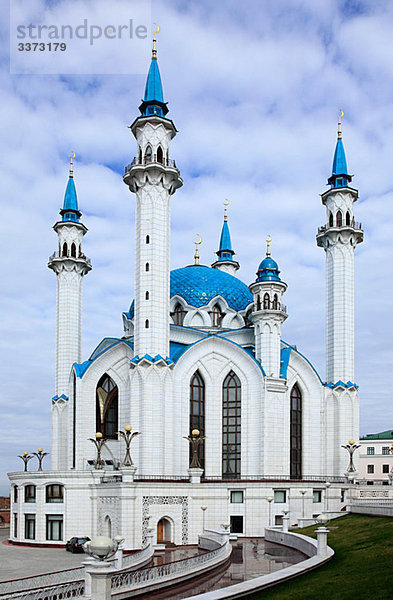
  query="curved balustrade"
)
[
  {"x": 75, "y": 589},
  {"x": 166, "y": 162}
]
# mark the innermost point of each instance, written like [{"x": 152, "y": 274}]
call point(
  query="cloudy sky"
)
[{"x": 254, "y": 88}]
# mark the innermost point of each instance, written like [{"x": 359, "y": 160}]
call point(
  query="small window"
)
[
  {"x": 342, "y": 497},
  {"x": 148, "y": 154},
  {"x": 148, "y": 239},
  {"x": 330, "y": 219},
  {"x": 385, "y": 450},
  {"x": 54, "y": 493},
  {"x": 147, "y": 324},
  {"x": 370, "y": 450},
  {"x": 16, "y": 525},
  {"x": 65, "y": 250},
  {"x": 29, "y": 527},
  {"x": 280, "y": 496},
  {"x": 266, "y": 301},
  {"x": 237, "y": 497},
  {"x": 275, "y": 302},
  {"x": 339, "y": 218},
  {"x": 216, "y": 316},
  {"x": 147, "y": 296},
  {"x": 30, "y": 493},
  {"x": 15, "y": 493},
  {"x": 317, "y": 496},
  {"x": 140, "y": 156},
  {"x": 236, "y": 523},
  {"x": 73, "y": 250},
  {"x": 370, "y": 468},
  {"x": 348, "y": 219},
  {"x": 147, "y": 267},
  {"x": 178, "y": 314},
  {"x": 385, "y": 468},
  {"x": 278, "y": 519},
  {"x": 160, "y": 155},
  {"x": 54, "y": 527}
]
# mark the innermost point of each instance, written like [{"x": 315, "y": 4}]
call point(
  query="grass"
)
[{"x": 362, "y": 567}]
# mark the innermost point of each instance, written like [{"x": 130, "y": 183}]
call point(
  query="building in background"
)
[
  {"x": 201, "y": 351},
  {"x": 375, "y": 457}
]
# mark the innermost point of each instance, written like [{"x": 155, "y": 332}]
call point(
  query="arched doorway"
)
[
  {"x": 108, "y": 527},
  {"x": 164, "y": 531}
]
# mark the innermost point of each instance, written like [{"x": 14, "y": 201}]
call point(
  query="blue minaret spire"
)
[
  {"x": 339, "y": 177},
  {"x": 153, "y": 100},
  {"x": 70, "y": 211},
  {"x": 225, "y": 253}
]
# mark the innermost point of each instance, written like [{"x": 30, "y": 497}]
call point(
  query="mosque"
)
[{"x": 200, "y": 414}]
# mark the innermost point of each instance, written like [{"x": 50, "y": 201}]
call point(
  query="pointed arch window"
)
[
  {"x": 275, "y": 302},
  {"x": 148, "y": 239},
  {"x": 197, "y": 412},
  {"x": 148, "y": 154},
  {"x": 231, "y": 426},
  {"x": 296, "y": 433},
  {"x": 140, "y": 155},
  {"x": 216, "y": 316},
  {"x": 160, "y": 155},
  {"x": 107, "y": 407},
  {"x": 258, "y": 302},
  {"x": 330, "y": 219},
  {"x": 65, "y": 249},
  {"x": 339, "y": 218},
  {"x": 147, "y": 296},
  {"x": 147, "y": 324},
  {"x": 73, "y": 250},
  {"x": 178, "y": 314},
  {"x": 147, "y": 267},
  {"x": 348, "y": 219},
  {"x": 266, "y": 301}
]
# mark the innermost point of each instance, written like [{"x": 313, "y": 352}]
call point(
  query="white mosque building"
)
[{"x": 201, "y": 350}]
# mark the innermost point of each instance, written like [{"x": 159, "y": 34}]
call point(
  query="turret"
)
[
  {"x": 225, "y": 253},
  {"x": 339, "y": 237},
  {"x": 268, "y": 314}
]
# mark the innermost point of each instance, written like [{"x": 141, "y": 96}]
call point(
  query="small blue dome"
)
[{"x": 268, "y": 270}]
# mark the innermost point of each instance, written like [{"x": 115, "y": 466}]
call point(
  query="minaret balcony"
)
[
  {"x": 271, "y": 308},
  {"x": 57, "y": 256},
  {"x": 329, "y": 232},
  {"x": 153, "y": 160},
  {"x": 353, "y": 225}
]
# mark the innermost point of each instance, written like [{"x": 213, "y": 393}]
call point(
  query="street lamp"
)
[
  {"x": 327, "y": 486},
  {"x": 99, "y": 441},
  {"x": 303, "y": 492},
  {"x": 101, "y": 547},
  {"x": 128, "y": 437},
  {"x": 25, "y": 457},
  {"x": 270, "y": 500},
  {"x": 40, "y": 454},
  {"x": 322, "y": 520},
  {"x": 204, "y": 508},
  {"x": 195, "y": 440},
  {"x": 351, "y": 447}
]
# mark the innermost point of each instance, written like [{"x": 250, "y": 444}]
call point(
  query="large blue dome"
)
[{"x": 198, "y": 284}]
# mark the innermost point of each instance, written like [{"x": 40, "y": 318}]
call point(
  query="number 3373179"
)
[{"x": 42, "y": 46}]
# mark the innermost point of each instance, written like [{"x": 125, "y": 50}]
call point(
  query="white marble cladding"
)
[{"x": 93, "y": 503}]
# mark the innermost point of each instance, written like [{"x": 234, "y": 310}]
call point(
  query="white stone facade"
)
[{"x": 249, "y": 382}]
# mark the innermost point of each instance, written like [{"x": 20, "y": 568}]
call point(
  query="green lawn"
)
[{"x": 362, "y": 568}]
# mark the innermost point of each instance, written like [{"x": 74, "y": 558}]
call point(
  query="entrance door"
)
[{"x": 160, "y": 531}]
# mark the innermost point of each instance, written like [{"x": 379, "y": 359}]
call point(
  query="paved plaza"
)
[{"x": 17, "y": 561}]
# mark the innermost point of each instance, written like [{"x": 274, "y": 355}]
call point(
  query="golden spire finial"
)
[
  {"x": 268, "y": 240},
  {"x": 71, "y": 159},
  {"x": 226, "y": 203},
  {"x": 155, "y": 31},
  {"x": 196, "y": 255},
  {"x": 339, "y": 123}
]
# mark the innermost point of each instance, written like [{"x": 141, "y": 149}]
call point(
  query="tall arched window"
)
[
  {"x": 73, "y": 250},
  {"x": 148, "y": 239},
  {"x": 216, "y": 316},
  {"x": 197, "y": 412},
  {"x": 275, "y": 302},
  {"x": 107, "y": 407},
  {"x": 140, "y": 156},
  {"x": 65, "y": 249},
  {"x": 339, "y": 218},
  {"x": 330, "y": 219},
  {"x": 258, "y": 302},
  {"x": 147, "y": 267},
  {"x": 348, "y": 219},
  {"x": 266, "y": 301},
  {"x": 231, "y": 426},
  {"x": 296, "y": 433},
  {"x": 148, "y": 154},
  {"x": 178, "y": 314},
  {"x": 160, "y": 155},
  {"x": 147, "y": 324},
  {"x": 147, "y": 296}
]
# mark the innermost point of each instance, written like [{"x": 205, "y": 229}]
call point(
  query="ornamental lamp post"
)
[
  {"x": 303, "y": 492},
  {"x": 127, "y": 437},
  {"x": 25, "y": 457},
  {"x": 327, "y": 486},
  {"x": 99, "y": 441},
  {"x": 195, "y": 440},
  {"x": 270, "y": 500},
  {"x": 204, "y": 509},
  {"x": 351, "y": 447},
  {"x": 322, "y": 520},
  {"x": 40, "y": 454}
]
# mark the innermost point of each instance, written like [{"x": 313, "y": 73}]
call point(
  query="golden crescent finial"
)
[
  {"x": 340, "y": 116},
  {"x": 268, "y": 240},
  {"x": 226, "y": 203},
  {"x": 157, "y": 30},
  {"x": 199, "y": 241},
  {"x": 154, "y": 54},
  {"x": 71, "y": 159},
  {"x": 196, "y": 255}
]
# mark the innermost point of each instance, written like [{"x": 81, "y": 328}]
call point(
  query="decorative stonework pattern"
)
[
  {"x": 148, "y": 500},
  {"x": 108, "y": 506}
]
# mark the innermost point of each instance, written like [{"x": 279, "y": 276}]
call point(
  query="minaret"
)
[
  {"x": 225, "y": 253},
  {"x": 268, "y": 314},
  {"x": 339, "y": 238},
  {"x": 153, "y": 177},
  {"x": 70, "y": 265}
]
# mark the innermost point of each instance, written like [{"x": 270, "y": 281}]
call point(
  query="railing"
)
[
  {"x": 152, "y": 575},
  {"x": 15, "y": 586},
  {"x": 353, "y": 224},
  {"x": 287, "y": 478},
  {"x": 182, "y": 478},
  {"x": 61, "y": 255},
  {"x": 135, "y": 559},
  {"x": 166, "y": 162},
  {"x": 367, "y": 501},
  {"x": 59, "y": 592},
  {"x": 112, "y": 479}
]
